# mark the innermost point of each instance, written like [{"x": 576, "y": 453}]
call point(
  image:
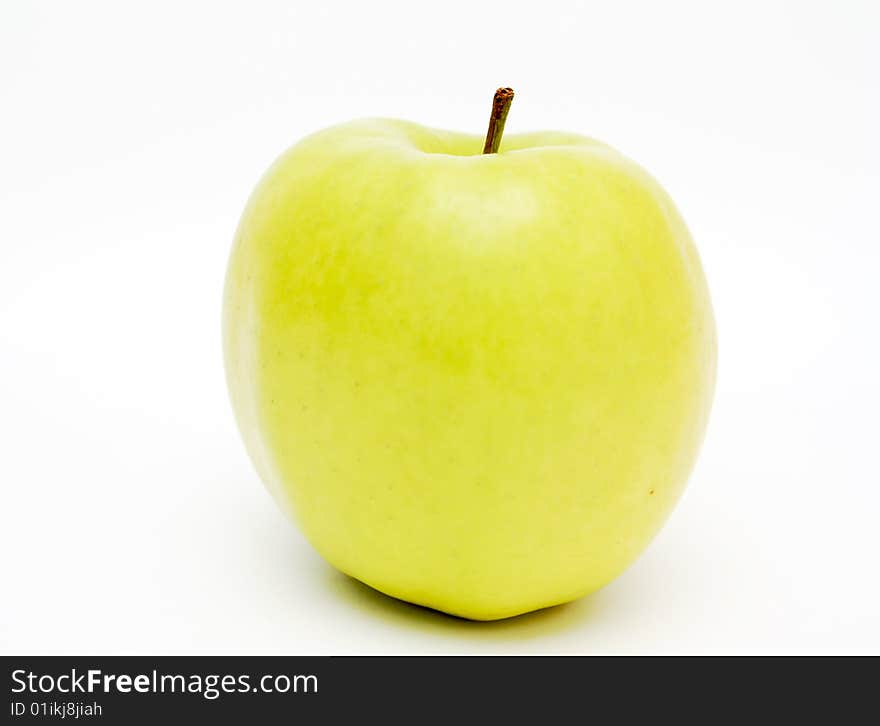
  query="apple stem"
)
[{"x": 500, "y": 107}]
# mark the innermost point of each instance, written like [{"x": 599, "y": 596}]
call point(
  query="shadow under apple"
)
[{"x": 538, "y": 623}]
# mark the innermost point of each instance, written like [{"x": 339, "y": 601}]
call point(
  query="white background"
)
[{"x": 131, "y": 519}]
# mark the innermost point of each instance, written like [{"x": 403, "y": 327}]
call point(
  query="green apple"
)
[{"x": 478, "y": 381}]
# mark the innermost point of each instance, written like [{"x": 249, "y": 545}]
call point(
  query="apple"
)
[{"x": 478, "y": 381}]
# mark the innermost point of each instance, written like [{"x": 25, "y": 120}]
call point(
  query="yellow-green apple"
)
[{"x": 478, "y": 381}]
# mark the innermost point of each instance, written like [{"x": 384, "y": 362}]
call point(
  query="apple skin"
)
[{"x": 477, "y": 382}]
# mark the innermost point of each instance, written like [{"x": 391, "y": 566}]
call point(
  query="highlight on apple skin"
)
[{"x": 477, "y": 381}]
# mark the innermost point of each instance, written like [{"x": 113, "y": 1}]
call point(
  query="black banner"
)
[{"x": 149, "y": 690}]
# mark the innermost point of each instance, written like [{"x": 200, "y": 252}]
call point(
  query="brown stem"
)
[{"x": 500, "y": 107}]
